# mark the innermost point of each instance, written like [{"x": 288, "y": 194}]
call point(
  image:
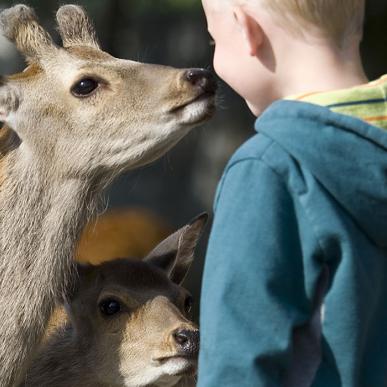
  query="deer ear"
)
[
  {"x": 20, "y": 25},
  {"x": 176, "y": 253},
  {"x": 9, "y": 100},
  {"x": 75, "y": 27},
  {"x": 82, "y": 270}
]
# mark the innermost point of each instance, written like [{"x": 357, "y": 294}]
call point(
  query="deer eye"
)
[
  {"x": 109, "y": 307},
  {"x": 84, "y": 87},
  {"x": 188, "y": 304}
]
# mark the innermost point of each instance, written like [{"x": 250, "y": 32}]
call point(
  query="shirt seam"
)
[
  {"x": 236, "y": 162},
  {"x": 255, "y": 158}
]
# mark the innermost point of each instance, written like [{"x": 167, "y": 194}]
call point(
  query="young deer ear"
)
[
  {"x": 9, "y": 100},
  {"x": 75, "y": 27},
  {"x": 250, "y": 28},
  {"x": 20, "y": 25},
  {"x": 82, "y": 270},
  {"x": 176, "y": 253}
]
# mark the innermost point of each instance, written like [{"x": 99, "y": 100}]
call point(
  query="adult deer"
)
[
  {"x": 74, "y": 120},
  {"x": 130, "y": 323}
]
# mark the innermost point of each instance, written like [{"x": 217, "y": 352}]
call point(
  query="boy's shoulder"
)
[
  {"x": 252, "y": 149},
  {"x": 283, "y": 116},
  {"x": 258, "y": 154}
]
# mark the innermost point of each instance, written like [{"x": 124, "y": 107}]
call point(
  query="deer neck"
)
[
  {"x": 63, "y": 361},
  {"x": 40, "y": 219}
]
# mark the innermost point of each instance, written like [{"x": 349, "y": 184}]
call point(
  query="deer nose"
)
[
  {"x": 187, "y": 341},
  {"x": 202, "y": 79}
]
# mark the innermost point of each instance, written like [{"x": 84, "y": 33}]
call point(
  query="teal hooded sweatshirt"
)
[{"x": 295, "y": 286}]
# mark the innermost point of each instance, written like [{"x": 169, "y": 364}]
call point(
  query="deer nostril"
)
[
  {"x": 181, "y": 337},
  {"x": 187, "y": 340},
  {"x": 203, "y": 79}
]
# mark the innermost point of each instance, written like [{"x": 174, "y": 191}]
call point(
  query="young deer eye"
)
[
  {"x": 188, "y": 304},
  {"x": 109, "y": 307},
  {"x": 84, "y": 87}
]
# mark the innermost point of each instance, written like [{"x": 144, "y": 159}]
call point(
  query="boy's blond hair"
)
[{"x": 338, "y": 20}]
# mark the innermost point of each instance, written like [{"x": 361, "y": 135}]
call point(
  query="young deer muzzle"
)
[
  {"x": 130, "y": 323},
  {"x": 74, "y": 119}
]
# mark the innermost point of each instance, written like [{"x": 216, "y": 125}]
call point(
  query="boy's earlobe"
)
[{"x": 251, "y": 30}]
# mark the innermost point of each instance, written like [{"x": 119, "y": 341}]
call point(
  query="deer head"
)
[
  {"x": 81, "y": 112},
  {"x": 133, "y": 318}
]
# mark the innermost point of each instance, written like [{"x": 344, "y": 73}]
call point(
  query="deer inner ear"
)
[{"x": 165, "y": 262}]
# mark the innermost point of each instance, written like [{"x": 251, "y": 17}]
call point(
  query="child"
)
[{"x": 295, "y": 284}]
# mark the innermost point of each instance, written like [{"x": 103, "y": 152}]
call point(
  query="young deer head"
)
[
  {"x": 130, "y": 322},
  {"x": 83, "y": 112}
]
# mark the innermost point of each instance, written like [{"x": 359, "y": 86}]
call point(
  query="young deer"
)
[
  {"x": 123, "y": 232},
  {"x": 74, "y": 119},
  {"x": 129, "y": 323}
]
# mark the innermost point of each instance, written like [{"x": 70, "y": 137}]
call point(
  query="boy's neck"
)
[{"x": 312, "y": 68}]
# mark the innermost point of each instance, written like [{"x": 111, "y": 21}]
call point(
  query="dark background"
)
[{"x": 174, "y": 32}]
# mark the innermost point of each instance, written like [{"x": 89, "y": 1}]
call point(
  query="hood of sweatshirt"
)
[{"x": 347, "y": 155}]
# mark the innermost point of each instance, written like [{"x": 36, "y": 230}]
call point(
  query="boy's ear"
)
[
  {"x": 250, "y": 28},
  {"x": 175, "y": 254},
  {"x": 9, "y": 100}
]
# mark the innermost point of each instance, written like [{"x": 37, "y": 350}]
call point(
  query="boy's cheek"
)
[
  {"x": 227, "y": 69},
  {"x": 217, "y": 65},
  {"x": 222, "y": 66},
  {"x": 256, "y": 110}
]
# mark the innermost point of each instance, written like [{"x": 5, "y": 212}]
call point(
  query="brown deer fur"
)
[{"x": 136, "y": 346}]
